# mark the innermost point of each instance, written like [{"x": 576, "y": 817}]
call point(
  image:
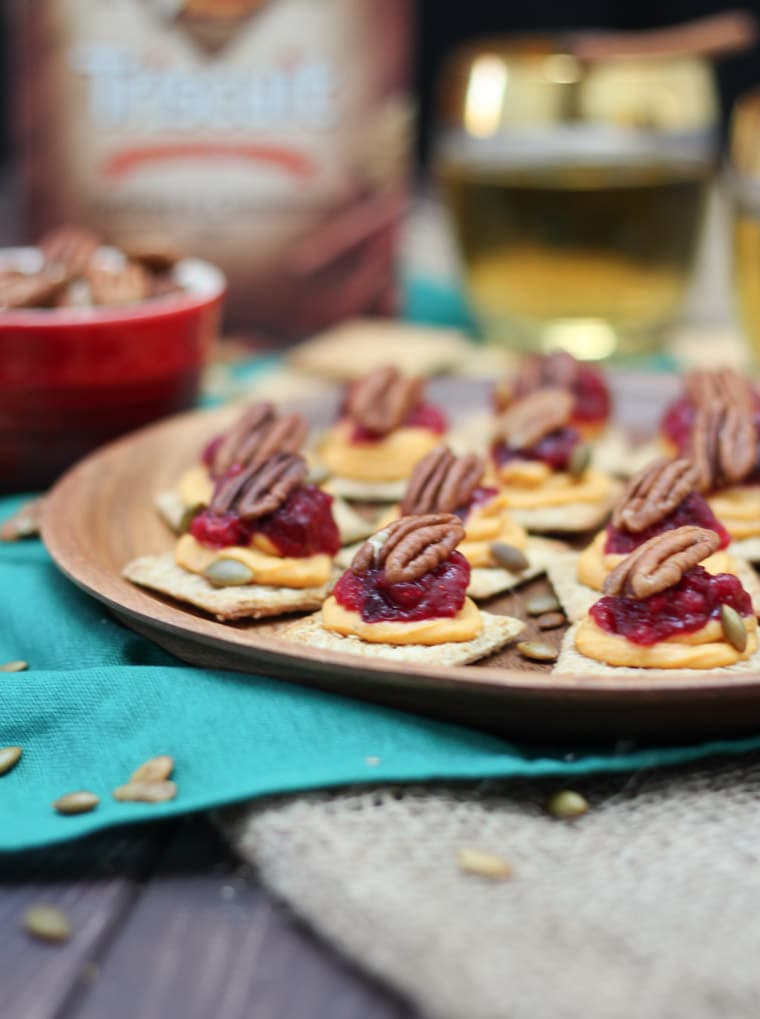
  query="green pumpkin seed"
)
[
  {"x": 228, "y": 573},
  {"x": 550, "y": 620},
  {"x": 18, "y": 666},
  {"x": 47, "y": 923},
  {"x": 145, "y": 792},
  {"x": 567, "y": 804},
  {"x": 188, "y": 515},
  {"x": 157, "y": 769},
  {"x": 541, "y": 604},
  {"x": 508, "y": 557},
  {"x": 9, "y": 758},
  {"x": 579, "y": 462},
  {"x": 79, "y": 802},
  {"x": 733, "y": 627},
  {"x": 317, "y": 474},
  {"x": 537, "y": 651}
]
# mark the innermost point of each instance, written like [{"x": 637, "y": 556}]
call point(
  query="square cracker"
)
[
  {"x": 351, "y": 349},
  {"x": 573, "y": 518},
  {"x": 572, "y": 662},
  {"x": 365, "y": 491},
  {"x": 576, "y": 598},
  {"x": 747, "y": 548},
  {"x": 249, "y": 601},
  {"x": 497, "y": 631}
]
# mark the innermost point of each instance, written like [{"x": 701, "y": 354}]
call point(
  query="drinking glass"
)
[{"x": 576, "y": 189}]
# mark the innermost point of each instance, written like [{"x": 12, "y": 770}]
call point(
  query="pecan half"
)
[
  {"x": 654, "y": 493},
  {"x": 410, "y": 547},
  {"x": 23, "y": 290},
  {"x": 539, "y": 371},
  {"x": 259, "y": 433},
  {"x": 442, "y": 482},
  {"x": 125, "y": 285},
  {"x": 723, "y": 444},
  {"x": 381, "y": 401},
  {"x": 260, "y": 488},
  {"x": 724, "y": 386},
  {"x": 660, "y": 562},
  {"x": 535, "y": 416},
  {"x": 70, "y": 246}
]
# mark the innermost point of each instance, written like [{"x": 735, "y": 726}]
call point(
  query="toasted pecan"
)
[
  {"x": 125, "y": 285},
  {"x": 660, "y": 562},
  {"x": 654, "y": 493},
  {"x": 258, "y": 433},
  {"x": 442, "y": 482},
  {"x": 410, "y": 547},
  {"x": 261, "y": 488},
  {"x": 71, "y": 247},
  {"x": 538, "y": 371},
  {"x": 22, "y": 290},
  {"x": 723, "y": 444},
  {"x": 535, "y": 416},
  {"x": 382, "y": 400},
  {"x": 722, "y": 385}
]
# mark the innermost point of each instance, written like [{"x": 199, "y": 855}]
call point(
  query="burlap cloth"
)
[{"x": 648, "y": 906}]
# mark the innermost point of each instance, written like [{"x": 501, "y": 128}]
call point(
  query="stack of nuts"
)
[{"x": 79, "y": 270}]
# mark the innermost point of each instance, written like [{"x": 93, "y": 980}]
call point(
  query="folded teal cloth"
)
[{"x": 97, "y": 700}]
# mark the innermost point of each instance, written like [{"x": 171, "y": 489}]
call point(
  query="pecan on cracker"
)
[
  {"x": 654, "y": 493},
  {"x": 661, "y": 562},
  {"x": 535, "y": 416},
  {"x": 26, "y": 290},
  {"x": 723, "y": 385},
  {"x": 410, "y": 547},
  {"x": 71, "y": 247},
  {"x": 558, "y": 370},
  {"x": 259, "y": 433},
  {"x": 381, "y": 401},
  {"x": 723, "y": 444},
  {"x": 261, "y": 488},
  {"x": 124, "y": 285},
  {"x": 441, "y": 482}
]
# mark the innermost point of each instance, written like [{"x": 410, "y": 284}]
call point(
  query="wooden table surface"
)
[{"x": 167, "y": 924}]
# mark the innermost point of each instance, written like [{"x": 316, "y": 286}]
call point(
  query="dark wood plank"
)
[
  {"x": 94, "y": 881},
  {"x": 207, "y": 940}
]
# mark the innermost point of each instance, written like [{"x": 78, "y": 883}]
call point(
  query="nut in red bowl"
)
[{"x": 73, "y": 378}]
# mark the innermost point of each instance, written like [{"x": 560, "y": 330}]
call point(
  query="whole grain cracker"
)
[
  {"x": 497, "y": 631},
  {"x": 251, "y": 601}
]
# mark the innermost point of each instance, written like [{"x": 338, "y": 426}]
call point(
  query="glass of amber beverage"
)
[
  {"x": 576, "y": 187},
  {"x": 744, "y": 185}
]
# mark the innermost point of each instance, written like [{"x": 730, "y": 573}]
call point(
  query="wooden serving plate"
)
[{"x": 101, "y": 514}]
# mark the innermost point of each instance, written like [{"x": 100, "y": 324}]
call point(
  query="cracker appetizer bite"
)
[
  {"x": 662, "y": 497},
  {"x": 405, "y": 597},
  {"x": 500, "y": 552},
  {"x": 662, "y": 610},
  {"x": 263, "y": 547},
  {"x": 385, "y": 427},
  {"x": 542, "y": 466},
  {"x": 259, "y": 432}
]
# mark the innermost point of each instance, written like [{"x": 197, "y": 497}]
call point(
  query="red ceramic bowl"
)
[{"x": 73, "y": 378}]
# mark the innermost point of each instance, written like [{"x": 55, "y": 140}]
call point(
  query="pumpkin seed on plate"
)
[
  {"x": 579, "y": 461},
  {"x": 733, "y": 627},
  {"x": 47, "y": 923},
  {"x": 567, "y": 804},
  {"x": 18, "y": 666},
  {"x": 550, "y": 620},
  {"x": 541, "y": 604},
  {"x": 9, "y": 758},
  {"x": 477, "y": 861},
  {"x": 537, "y": 651},
  {"x": 228, "y": 573},
  {"x": 145, "y": 792},
  {"x": 508, "y": 557},
  {"x": 79, "y": 802},
  {"x": 157, "y": 769}
]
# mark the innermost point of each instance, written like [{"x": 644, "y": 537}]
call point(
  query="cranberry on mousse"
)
[
  {"x": 263, "y": 525},
  {"x": 663, "y": 610},
  {"x": 560, "y": 370},
  {"x": 541, "y": 462},
  {"x": 407, "y": 585},
  {"x": 385, "y": 426},
  {"x": 661, "y": 497}
]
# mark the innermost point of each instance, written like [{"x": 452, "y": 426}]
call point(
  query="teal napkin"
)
[{"x": 98, "y": 700}]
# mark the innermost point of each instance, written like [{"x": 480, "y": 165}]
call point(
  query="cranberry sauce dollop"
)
[
  {"x": 424, "y": 415},
  {"x": 554, "y": 450},
  {"x": 482, "y": 495},
  {"x": 678, "y": 421},
  {"x": 439, "y": 594},
  {"x": 301, "y": 527},
  {"x": 691, "y": 510},
  {"x": 592, "y": 397},
  {"x": 684, "y": 608}
]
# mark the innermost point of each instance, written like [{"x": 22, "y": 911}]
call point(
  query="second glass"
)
[{"x": 576, "y": 191}]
